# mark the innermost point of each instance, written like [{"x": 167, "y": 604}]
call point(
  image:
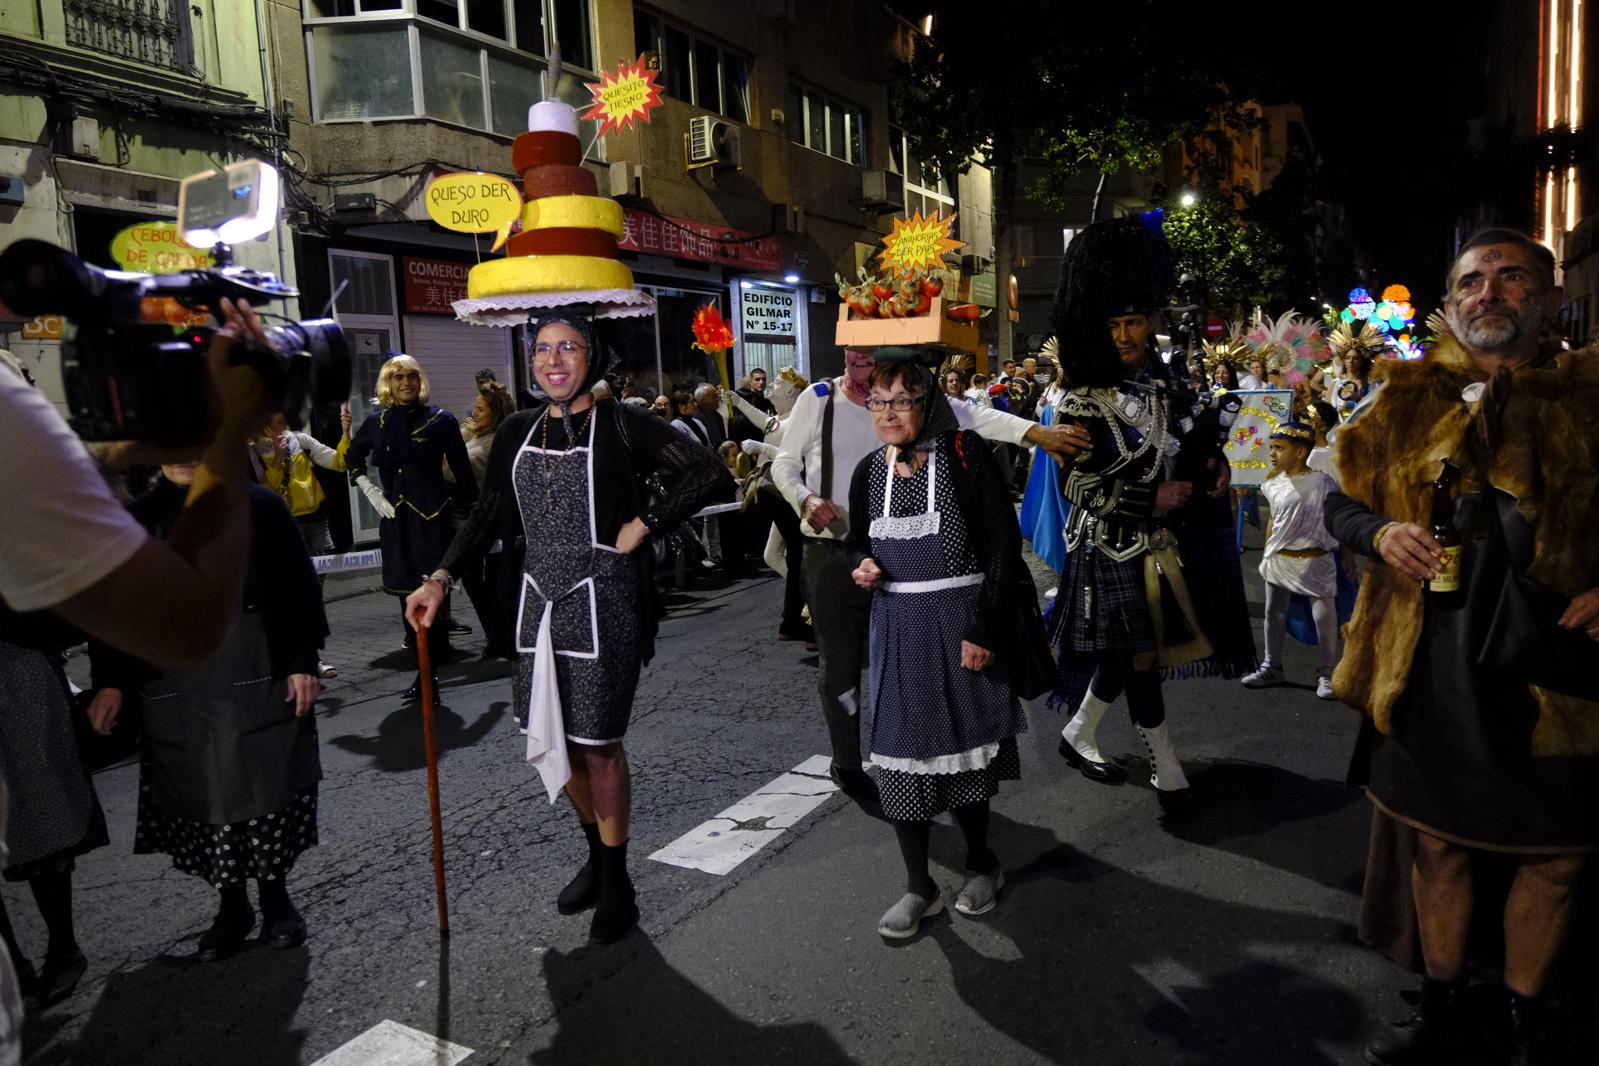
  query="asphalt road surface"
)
[{"x": 1226, "y": 935}]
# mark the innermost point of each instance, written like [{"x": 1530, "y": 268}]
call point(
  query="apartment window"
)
[
  {"x": 693, "y": 69},
  {"x": 472, "y": 63},
  {"x": 925, "y": 189},
  {"x": 826, "y": 125}
]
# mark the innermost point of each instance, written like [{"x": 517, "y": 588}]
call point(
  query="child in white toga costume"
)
[{"x": 1298, "y": 556}]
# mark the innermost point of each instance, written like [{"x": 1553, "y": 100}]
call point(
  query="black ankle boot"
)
[
  {"x": 1527, "y": 1038},
  {"x": 617, "y": 911},
  {"x": 281, "y": 923},
  {"x": 1437, "y": 1033},
  {"x": 583, "y": 891},
  {"x": 415, "y": 691},
  {"x": 56, "y": 980},
  {"x": 231, "y": 927}
]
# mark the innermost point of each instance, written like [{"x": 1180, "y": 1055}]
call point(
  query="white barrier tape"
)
[{"x": 337, "y": 564}]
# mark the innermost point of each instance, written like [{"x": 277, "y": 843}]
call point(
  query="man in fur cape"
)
[{"x": 1472, "y": 764}]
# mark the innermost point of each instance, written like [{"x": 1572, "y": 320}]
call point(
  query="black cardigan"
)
[
  {"x": 279, "y": 581},
  {"x": 990, "y": 516}
]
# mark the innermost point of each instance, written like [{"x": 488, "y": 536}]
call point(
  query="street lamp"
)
[{"x": 1188, "y": 199}]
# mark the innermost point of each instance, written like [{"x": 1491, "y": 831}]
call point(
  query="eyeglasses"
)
[
  {"x": 898, "y": 403},
  {"x": 565, "y": 349}
]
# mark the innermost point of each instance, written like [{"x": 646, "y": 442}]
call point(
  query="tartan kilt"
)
[{"x": 1113, "y": 617}]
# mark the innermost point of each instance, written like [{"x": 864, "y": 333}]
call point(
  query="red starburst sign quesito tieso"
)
[{"x": 622, "y": 98}]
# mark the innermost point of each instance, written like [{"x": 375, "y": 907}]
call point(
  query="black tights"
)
[
  {"x": 1145, "y": 704},
  {"x": 52, "y": 893},
  {"x": 913, "y": 839}
]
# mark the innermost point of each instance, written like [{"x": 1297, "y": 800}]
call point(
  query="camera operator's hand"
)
[
  {"x": 375, "y": 497},
  {"x": 241, "y": 403},
  {"x": 103, "y": 710}
]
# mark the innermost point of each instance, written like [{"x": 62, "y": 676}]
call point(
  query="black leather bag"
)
[
  {"x": 1032, "y": 663},
  {"x": 1524, "y": 636}
]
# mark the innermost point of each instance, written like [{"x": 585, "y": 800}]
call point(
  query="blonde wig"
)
[{"x": 386, "y": 375}]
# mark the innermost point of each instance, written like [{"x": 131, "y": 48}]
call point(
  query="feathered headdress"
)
[
  {"x": 1232, "y": 352},
  {"x": 1346, "y": 341},
  {"x": 1292, "y": 346}
]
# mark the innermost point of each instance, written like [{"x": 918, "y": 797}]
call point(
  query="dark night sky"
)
[{"x": 1387, "y": 92}]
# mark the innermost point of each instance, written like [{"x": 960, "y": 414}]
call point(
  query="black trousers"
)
[
  {"x": 840, "y": 613},
  {"x": 771, "y": 505}
]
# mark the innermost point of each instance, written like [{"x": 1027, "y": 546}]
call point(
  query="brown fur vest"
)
[{"x": 1549, "y": 461}]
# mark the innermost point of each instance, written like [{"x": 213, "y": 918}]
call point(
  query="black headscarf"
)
[
  {"x": 597, "y": 365},
  {"x": 938, "y": 418}
]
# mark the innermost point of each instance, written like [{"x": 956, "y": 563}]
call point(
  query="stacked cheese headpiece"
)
[{"x": 569, "y": 233}]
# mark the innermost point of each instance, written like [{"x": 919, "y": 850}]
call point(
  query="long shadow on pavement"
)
[
  {"x": 178, "y": 1011},
  {"x": 651, "y": 1013},
  {"x": 1277, "y": 817},
  {"x": 398, "y": 747},
  {"x": 1099, "y": 945}
]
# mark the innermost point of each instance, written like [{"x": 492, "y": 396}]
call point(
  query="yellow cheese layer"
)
[
  {"x": 573, "y": 212},
  {"x": 546, "y": 273}
]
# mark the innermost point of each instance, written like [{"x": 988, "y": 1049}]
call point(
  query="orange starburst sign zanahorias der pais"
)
[{"x": 919, "y": 241}]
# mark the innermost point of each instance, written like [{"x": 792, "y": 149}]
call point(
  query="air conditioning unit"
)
[
  {"x": 882, "y": 190},
  {"x": 712, "y": 142}
]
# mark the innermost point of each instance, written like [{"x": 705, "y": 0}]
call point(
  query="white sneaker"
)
[
  {"x": 1267, "y": 676},
  {"x": 903, "y": 919},
  {"x": 1324, "y": 689},
  {"x": 1052, "y": 593}
]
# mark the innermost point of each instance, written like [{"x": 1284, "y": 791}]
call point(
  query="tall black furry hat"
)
[{"x": 1119, "y": 267}]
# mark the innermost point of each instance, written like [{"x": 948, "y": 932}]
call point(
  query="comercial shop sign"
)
[{"x": 432, "y": 285}]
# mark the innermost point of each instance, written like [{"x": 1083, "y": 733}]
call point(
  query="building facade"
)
[{"x": 104, "y": 108}]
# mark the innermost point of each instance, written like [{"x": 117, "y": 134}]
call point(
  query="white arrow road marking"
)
[
  {"x": 720, "y": 844},
  {"x": 392, "y": 1044}
]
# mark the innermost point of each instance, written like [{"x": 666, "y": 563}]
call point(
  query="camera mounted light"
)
[{"x": 236, "y": 203}]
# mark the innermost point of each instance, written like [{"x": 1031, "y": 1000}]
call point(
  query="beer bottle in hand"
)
[{"x": 1443, "y": 528}]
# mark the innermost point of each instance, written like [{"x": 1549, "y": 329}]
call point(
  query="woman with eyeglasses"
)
[
  {"x": 572, "y": 492},
  {"x": 942, "y": 551},
  {"x": 407, "y": 442}
]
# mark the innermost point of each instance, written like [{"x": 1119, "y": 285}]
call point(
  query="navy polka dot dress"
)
[{"x": 943, "y": 736}]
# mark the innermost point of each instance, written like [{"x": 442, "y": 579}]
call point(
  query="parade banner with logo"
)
[{"x": 1248, "y": 451}]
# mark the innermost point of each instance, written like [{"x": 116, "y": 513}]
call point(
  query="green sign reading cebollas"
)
[
  {"x": 156, "y": 248},
  {"x": 473, "y": 203}
]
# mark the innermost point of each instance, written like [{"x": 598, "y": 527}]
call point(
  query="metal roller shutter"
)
[{"x": 452, "y": 353}]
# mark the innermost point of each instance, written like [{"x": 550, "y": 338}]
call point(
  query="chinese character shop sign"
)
[
  {"x": 769, "y": 311},
  {"x": 432, "y": 285},
  {"x": 682, "y": 238}
]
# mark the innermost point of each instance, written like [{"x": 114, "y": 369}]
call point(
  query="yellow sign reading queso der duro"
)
[{"x": 473, "y": 203}]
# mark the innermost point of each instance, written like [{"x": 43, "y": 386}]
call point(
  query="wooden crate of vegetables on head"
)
[{"x": 905, "y": 302}]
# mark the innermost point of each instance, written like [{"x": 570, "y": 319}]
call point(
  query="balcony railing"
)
[{"x": 155, "y": 32}]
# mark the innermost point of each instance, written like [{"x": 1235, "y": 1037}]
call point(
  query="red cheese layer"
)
[
  {"x": 557, "y": 179},
  {"x": 594, "y": 242},
  {"x": 544, "y": 149}
]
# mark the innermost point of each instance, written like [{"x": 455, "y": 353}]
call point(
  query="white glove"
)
[
  {"x": 753, "y": 447},
  {"x": 374, "y": 495}
]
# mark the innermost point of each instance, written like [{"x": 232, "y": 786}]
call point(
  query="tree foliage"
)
[{"x": 1079, "y": 88}]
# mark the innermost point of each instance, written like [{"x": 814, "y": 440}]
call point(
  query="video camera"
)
[{"x": 134, "y": 364}]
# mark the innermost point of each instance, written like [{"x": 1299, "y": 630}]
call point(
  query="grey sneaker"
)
[
  {"x": 1324, "y": 689},
  {"x": 903, "y": 919},
  {"x": 1267, "y": 676},
  {"x": 980, "y": 893}
]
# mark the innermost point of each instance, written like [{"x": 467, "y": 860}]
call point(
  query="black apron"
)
[{"x": 221, "y": 744}]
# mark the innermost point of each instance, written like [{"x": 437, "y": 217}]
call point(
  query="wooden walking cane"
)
[{"x": 425, "y": 680}]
